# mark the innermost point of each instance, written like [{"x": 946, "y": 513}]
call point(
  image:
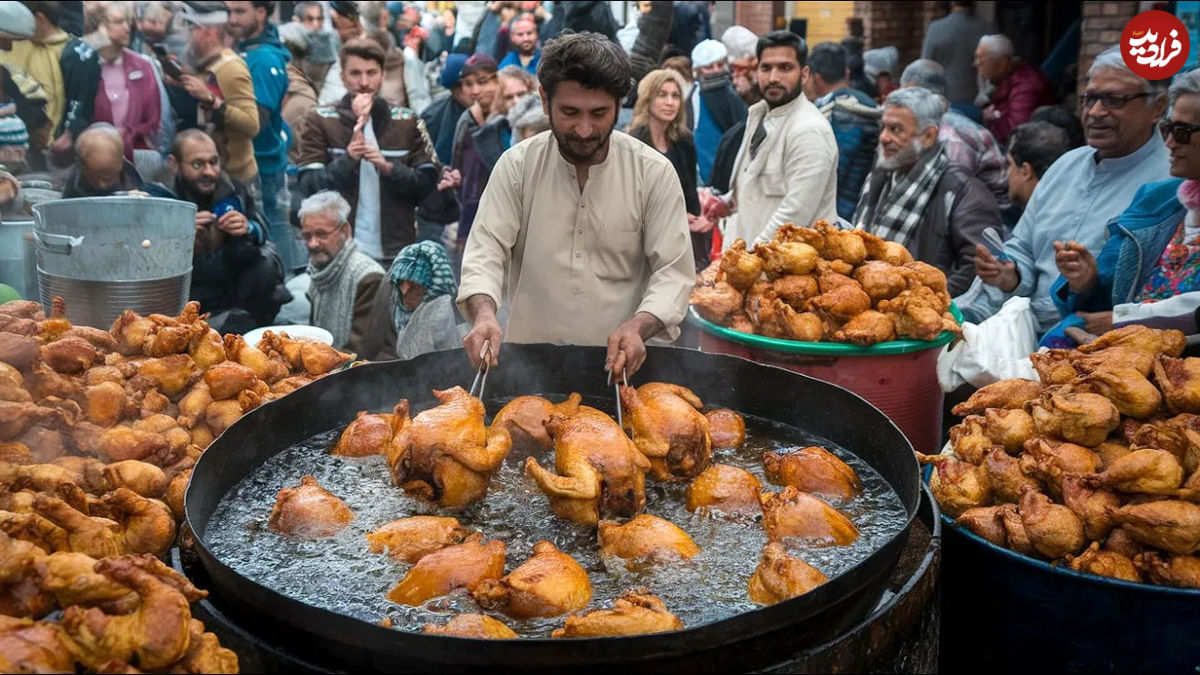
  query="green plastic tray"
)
[{"x": 826, "y": 348}]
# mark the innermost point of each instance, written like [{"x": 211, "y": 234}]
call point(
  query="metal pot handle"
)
[{"x": 62, "y": 244}]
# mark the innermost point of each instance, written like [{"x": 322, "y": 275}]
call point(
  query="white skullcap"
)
[
  {"x": 16, "y": 21},
  {"x": 740, "y": 42},
  {"x": 707, "y": 53}
]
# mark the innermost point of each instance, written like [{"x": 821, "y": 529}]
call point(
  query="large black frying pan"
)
[{"x": 742, "y": 642}]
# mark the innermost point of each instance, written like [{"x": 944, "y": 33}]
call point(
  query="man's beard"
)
[
  {"x": 578, "y": 151},
  {"x": 790, "y": 96},
  {"x": 199, "y": 189},
  {"x": 903, "y": 159}
]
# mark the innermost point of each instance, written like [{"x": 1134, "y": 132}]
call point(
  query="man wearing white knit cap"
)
[
  {"x": 740, "y": 42},
  {"x": 714, "y": 105}
]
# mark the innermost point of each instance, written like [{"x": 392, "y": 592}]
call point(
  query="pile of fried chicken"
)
[
  {"x": 819, "y": 283},
  {"x": 99, "y": 430},
  {"x": 447, "y": 456},
  {"x": 1095, "y": 466}
]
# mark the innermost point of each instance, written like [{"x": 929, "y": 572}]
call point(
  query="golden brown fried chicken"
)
[
  {"x": 796, "y": 289},
  {"x": 69, "y": 355},
  {"x": 799, "y": 326},
  {"x": 1053, "y": 366},
  {"x": 308, "y": 511},
  {"x": 1049, "y": 460},
  {"x": 220, "y": 415},
  {"x": 740, "y": 267},
  {"x": 205, "y": 653},
  {"x": 102, "y": 340},
  {"x": 525, "y": 418},
  {"x": 760, "y": 307},
  {"x": 1086, "y": 419},
  {"x": 369, "y": 434},
  {"x": 842, "y": 245},
  {"x": 413, "y": 538},
  {"x": 957, "y": 485},
  {"x": 881, "y": 280},
  {"x": 97, "y": 537},
  {"x": 1104, "y": 564},
  {"x": 1110, "y": 451},
  {"x": 122, "y": 443},
  {"x": 1014, "y": 530},
  {"x": 550, "y": 583},
  {"x": 1093, "y": 505},
  {"x": 154, "y": 636},
  {"x": 23, "y": 309},
  {"x": 142, "y": 478},
  {"x": 49, "y": 478},
  {"x": 472, "y": 626},
  {"x": 1170, "y": 570},
  {"x": 35, "y": 529},
  {"x": 174, "y": 334},
  {"x": 598, "y": 469},
  {"x": 34, "y": 647},
  {"x": 171, "y": 374},
  {"x": 227, "y": 379},
  {"x": 446, "y": 454},
  {"x": 1004, "y": 476},
  {"x": 1179, "y": 435},
  {"x": 43, "y": 382},
  {"x": 781, "y": 576},
  {"x": 668, "y": 428},
  {"x": 867, "y": 328},
  {"x": 15, "y": 418},
  {"x": 1117, "y": 356},
  {"x": 813, "y": 469},
  {"x": 1054, "y": 530},
  {"x": 646, "y": 537},
  {"x": 843, "y": 302},
  {"x": 16, "y": 453},
  {"x": 786, "y": 257},
  {"x": 318, "y": 358},
  {"x": 267, "y": 369},
  {"x": 207, "y": 348},
  {"x": 917, "y": 315},
  {"x": 970, "y": 440},
  {"x": 740, "y": 322},
  {"x": 21, "y": 591},
  {"x": 1168, "y": 524},
  {"x": 790, "y": 232},
  {"x": 1150, "y": 340},
  {"x": 56, "y": 323},
  {"x": 465, "y": 565},
  {"x": 19, "y": 351},
  {"x": 104, "y": 403},
  {"x": 829, "y": 277},
  {"x": 1179, "y": 380},
  {"x": 1009, "y": 428},
  {"x": 194, "y": 405},
  {"x": 725, "y": 488},
  {"x": 72, "y": 580},
  {"x": 792, "y": 513},
  {"x": 176, "y": 490},
  {"x": 130, "y": 331},
  {"x": 726, "y": 429},
  {"x": 1128, "y": 389},
  {"x": 636, "y": 612},
  {"x": 147, "y": 524},
  {"x": 1145, "y": 470},
  {"x": 923, "y": 274},
  {"x": 12, "y": 385},
  {"x": 986, "y": 522},
  {"x": 18, "y": 326},
  {"x": 717, "y": 302}
]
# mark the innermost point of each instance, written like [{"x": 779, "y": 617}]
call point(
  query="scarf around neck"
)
[
  {"x": 895, "y": 214},
  {"x": 425, "y": 263},
  {"x": 333, "y": 288},
  {"x": 711, "y": 81}
]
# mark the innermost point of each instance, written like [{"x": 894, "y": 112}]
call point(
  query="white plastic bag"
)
[{"x": 994, "y": 350}]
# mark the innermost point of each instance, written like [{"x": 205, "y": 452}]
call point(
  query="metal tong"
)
[
  {"x": 482, "y": 373},
  {"x": 617, "y": 390}
]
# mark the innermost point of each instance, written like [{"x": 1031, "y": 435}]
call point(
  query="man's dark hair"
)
[
  {"x": 590, "y": 59},
  {"x": 51, "y": 9},
  {"x": 783, "y": 38},
  {"x": 828, "y": 60},
  {"x": 183, "y": 137},
  {"x": 1063, "y": 119},
  {"x": 479, "y": 63},
  {"x": 1039, "y": 144},
  {"x": 268, "y": 5},
  {"x": 345, "y": 8},
  {"x": 363, "y": 48}
]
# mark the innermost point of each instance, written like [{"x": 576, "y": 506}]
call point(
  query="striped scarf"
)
[
  {"x": 427, "y": 264},
  {"x": 894, "y": 216}
]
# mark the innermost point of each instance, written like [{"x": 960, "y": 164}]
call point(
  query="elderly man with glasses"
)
[{"x": 1079, "y": 193}]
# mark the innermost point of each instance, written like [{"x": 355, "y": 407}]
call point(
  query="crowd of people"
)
[{"x": 383, "y": 153}]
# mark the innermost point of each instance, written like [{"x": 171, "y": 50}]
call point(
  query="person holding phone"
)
[{"x": 237, "y": 275}]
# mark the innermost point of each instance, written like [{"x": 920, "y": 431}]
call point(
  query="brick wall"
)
[
  {"x": 1100, "y": 29},
  {"x": 901, "y": 24},
  {"x": 759, "y": 17}
]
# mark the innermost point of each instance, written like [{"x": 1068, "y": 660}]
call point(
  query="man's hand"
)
[
  {"x": 199, "y": 91},
  {"x": 357, "y": 148},
  {"x": 451, "y": 179},
  {"x": 374, "y": 156},
  {"x": 1002, "y": 275},
  {"x": 699, "y": 224},
  {"x": 627, "y": 344},
  {"x": 63, "y": 143},
  {"x": 1096, "y": 323},
  {"x": 715, "y": 209},
  {"x": 1077, "y": 264},
  {"x": 233, "y": 224},
  {"x": 485, "y": 331},
  {"x": 203, "y": 220}
]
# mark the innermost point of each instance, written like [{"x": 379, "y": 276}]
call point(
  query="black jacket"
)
[
  {"x": 682, "y": 155},
  {"x": 81, "y": 79},
  {"x": 76, "y": 187},
  {"x": 654, "y": 27},
  {"x": 721, "y": 178}
]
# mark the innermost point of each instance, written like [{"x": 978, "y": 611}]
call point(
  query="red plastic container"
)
[{"x": 899, "y": 377}]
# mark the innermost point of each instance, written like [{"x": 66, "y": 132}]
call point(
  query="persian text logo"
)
[{"x": 1155, "y": 45}]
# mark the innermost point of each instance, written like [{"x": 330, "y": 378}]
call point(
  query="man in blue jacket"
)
[{"x": 267, "y": 59}]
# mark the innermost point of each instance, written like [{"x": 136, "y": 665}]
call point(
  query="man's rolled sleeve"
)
[
  {"x": 668, "y": 250},
  {"x": 493, "y": 235}
]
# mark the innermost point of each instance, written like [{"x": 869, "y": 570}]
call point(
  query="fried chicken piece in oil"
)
[
  {"x": 369, "y": 434},
  {"x": 464, "y": 565},
  {"x": 446, "y": 454},
  {"x": 598, "y": 471},
  {"x": 725, "y": 488},
  {"x": 525, "y": 418},
  {"x": 472, "y": 626},
  {"x": 726, "y": 429},
  {"x": 741, "y": 267},
  {"x": 781, "y": 576},
  {"x": 792, "y": 513},
  {"x": 410, "y": 539},
  {"x": 813, "y": 469},
  {"x": 668, "y": 428},
  {"x": 636, "y": 612},
  {"x": 308, "y": 511},
  {"x": 550, "y": 583},
  {"x": 646, "y": 537}
]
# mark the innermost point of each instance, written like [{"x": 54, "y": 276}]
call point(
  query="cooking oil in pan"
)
[{"x": 340, "y": 574}]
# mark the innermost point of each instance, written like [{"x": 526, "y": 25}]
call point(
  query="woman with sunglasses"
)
[{"x": 1149, "y": 269}]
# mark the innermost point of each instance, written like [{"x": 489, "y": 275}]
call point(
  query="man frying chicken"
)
[{"x": 583, "y": 233}]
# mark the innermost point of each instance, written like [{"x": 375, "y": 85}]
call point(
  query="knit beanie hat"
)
[{"x": 452, "y": 71}]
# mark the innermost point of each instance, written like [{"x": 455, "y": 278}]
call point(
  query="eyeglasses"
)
[
  {"x": 1110, "y": 101},
  {"x": 1180, "y": 131}
]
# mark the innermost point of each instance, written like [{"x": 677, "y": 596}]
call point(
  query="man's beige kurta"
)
[{"x": 572, "y": 266}]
